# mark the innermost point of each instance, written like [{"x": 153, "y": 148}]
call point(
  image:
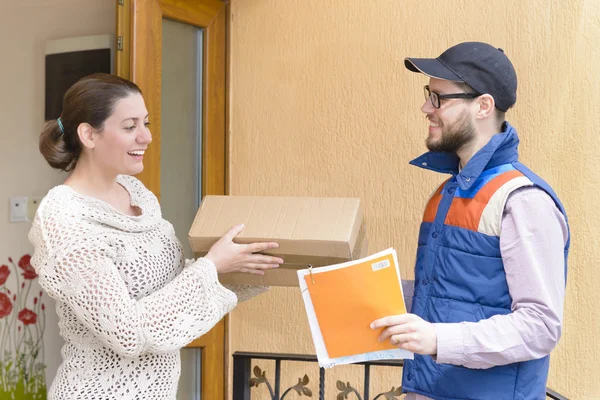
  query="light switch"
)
[
  {"x": 32, "y": 206},
  {"x": 18, "y": 209}
]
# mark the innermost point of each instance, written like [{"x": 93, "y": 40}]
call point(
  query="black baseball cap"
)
[{"x": 483, "y": 67}]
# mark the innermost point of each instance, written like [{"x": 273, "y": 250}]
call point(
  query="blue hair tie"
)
[{"x": 60, "y": 125}]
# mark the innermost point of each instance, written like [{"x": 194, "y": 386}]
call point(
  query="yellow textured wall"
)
[{"x": 321, "y": 105}]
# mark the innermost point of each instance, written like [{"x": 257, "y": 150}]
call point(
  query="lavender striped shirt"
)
[{"x": 533, "y": 236}]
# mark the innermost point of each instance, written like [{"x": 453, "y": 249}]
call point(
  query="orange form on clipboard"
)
[{"x": 348, "y": 299}]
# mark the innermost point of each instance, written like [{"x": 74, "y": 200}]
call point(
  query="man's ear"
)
[
  {"x": 486, "y": 106},
  {"x": 86, "y": 135}
]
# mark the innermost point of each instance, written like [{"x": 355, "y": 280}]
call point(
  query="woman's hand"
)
[{"x": 232, "y": 257}]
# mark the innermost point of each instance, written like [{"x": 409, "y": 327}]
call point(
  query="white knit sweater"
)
[{"x": 126, "y": 298}]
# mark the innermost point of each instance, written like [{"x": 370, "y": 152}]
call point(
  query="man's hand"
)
[{"x": 408, "y": 332}]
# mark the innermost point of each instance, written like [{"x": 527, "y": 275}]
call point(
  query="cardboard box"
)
[{"x": 310, "y": 231}]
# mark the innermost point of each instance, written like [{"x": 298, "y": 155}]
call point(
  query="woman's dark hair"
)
[{"x": 92, "y": 100}]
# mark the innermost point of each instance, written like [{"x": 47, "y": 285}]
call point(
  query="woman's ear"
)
[{"x": 86, "y": 135}]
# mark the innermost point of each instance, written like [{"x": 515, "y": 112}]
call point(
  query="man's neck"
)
[{"x": 467, "y": 152}]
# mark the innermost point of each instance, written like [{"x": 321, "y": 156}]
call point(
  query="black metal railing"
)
[{"x": 245, "y": 377}]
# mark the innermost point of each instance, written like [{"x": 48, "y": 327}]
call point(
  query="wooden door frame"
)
[{"x": 139, "y": 32}]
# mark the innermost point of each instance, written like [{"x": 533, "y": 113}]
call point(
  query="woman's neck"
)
[{"x": 92, "y": 181}]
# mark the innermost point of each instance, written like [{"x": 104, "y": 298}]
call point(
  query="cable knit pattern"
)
[{"x": 126, "y": 298}]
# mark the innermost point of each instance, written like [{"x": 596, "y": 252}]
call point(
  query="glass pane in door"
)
[
  {"x": 181, "y": 150},
  {"x": 191, "y": 368},
  {"x": 181, "y": 126}
]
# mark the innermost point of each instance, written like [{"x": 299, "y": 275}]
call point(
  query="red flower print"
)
[
  {"x": 25, "y": 265},
  {"x": 4, "y": 273},
  {"x": 5, "y": 305},
  {"x": 26, "y": 316}
]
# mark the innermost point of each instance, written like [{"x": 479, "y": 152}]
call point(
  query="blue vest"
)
[{"x": 459, "y": 273}]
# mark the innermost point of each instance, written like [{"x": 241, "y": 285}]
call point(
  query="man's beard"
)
[{"x": 454, "y": 136}]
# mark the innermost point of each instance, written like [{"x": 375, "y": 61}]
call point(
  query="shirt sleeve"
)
[
  {"x": 85, "y": 278},
  {"x": 246, "y": 292},
  {"x": 534, "y": 233}
]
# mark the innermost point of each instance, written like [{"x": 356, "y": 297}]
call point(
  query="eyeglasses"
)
[{"x": 436, "y": 98}]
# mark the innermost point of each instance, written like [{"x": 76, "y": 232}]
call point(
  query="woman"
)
[{"x": 126, "y": 298}]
